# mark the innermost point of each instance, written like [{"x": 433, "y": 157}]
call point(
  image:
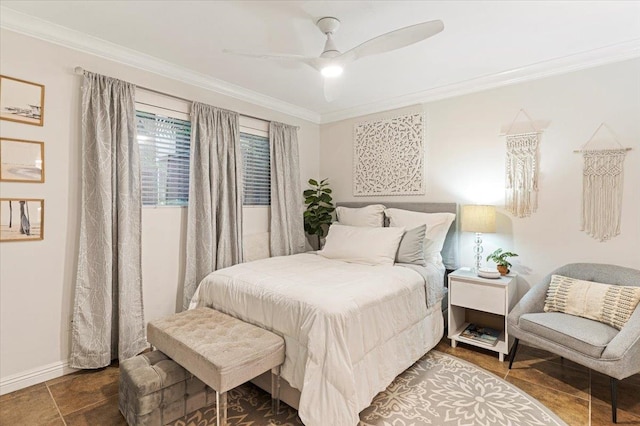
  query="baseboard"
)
[{"x": 33, "y": 377}]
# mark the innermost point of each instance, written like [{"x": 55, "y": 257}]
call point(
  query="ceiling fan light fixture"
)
[{"x": 331, "y": 71}]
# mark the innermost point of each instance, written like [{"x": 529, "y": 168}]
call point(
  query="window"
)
[
  {"x": 164, "y": 136},
  {"x": 256, "y": 169},
  {"x": 164, "y": 159}
]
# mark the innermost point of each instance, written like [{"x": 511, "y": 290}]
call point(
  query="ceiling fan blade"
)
[
  {"x": 332, "y": 88},
  {"x": 394, "y": 40}
]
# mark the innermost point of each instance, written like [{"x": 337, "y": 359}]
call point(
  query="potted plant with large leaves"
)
[
  {"x": 500, "y": 258},
  {"x": 317, "y": 216}
]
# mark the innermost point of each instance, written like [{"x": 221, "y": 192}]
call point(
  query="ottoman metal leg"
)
[
  {"x": 221, "y": 408},
  {"x": 275, "y": 390}
]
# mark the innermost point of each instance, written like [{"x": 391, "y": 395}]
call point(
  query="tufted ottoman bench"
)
[
  {"x": 155, "y": 391},
  {"x": 220, "y": 350}
]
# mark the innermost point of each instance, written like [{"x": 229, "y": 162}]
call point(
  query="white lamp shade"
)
[{"x": 479, "y": 219}]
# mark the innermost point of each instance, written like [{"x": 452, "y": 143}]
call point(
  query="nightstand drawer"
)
[{"x": 476, "y": 296}]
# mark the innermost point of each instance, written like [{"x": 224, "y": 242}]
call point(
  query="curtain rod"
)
[{"x": 80, "y": 71}]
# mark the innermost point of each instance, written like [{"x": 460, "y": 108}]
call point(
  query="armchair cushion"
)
[
  {"x": 580, "y": 334},
  {"x": 609, "y": 304}
]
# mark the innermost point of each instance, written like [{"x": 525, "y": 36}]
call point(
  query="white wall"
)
[
  {"x": 37, "y": 278},
  {"x": 465, "y": 161}
]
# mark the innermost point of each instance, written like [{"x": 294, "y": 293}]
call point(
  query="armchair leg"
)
[
  {"x": 513, "y": 353},
  {"x": 614, "y": 400}
]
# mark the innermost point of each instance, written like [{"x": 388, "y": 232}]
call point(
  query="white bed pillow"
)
[
  {"x": 365, "y": 245},
  {"x": 437, "y": 227},
  {"x": 372, "y": 215}
]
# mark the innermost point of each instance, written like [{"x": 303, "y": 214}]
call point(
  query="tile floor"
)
[{"x": 579, "y": 396}]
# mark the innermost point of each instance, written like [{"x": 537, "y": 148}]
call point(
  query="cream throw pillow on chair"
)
[{"x": 606, "y": 303}]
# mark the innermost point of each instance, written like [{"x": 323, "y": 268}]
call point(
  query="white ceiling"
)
[{"x": 484, "y": 44}]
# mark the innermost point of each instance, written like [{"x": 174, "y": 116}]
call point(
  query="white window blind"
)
[
  {"x": 256, "y": 169},
  {"x": 164, "y": 159}
]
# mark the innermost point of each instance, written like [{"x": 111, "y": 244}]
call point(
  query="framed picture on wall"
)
[
  {"x": 21, "y": 160},
  {"x": 21, "y": 219},
  {"x": 21, "y": 101}
]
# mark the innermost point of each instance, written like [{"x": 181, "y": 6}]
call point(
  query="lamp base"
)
[{"x": 477, "y": 249}]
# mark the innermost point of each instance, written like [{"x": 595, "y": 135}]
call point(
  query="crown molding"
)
[
  {"x": 566, "y": 64},
  {"x": 53, "y": 33},
  {"x": 44, "y": 30}
]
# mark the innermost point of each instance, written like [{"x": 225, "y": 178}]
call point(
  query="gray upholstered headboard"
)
[{"x": 450, "y": 249}]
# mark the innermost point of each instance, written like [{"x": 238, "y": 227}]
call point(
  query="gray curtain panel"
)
[
  {"x": 214, "y": 219},
  {"x": 287, "y": 229},
  {"x": 108, "y": 318}
]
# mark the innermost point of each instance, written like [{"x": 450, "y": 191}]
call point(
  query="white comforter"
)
[{"x": 340, "y": 322}]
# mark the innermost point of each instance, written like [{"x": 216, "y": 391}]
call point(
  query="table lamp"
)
[{"x": 478, "y": 219}]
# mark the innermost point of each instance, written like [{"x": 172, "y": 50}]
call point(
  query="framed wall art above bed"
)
[{"x": 388, "y": 156}]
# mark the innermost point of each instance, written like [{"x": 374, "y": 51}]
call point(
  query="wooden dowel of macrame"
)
[{"x": 577, "y": 151}]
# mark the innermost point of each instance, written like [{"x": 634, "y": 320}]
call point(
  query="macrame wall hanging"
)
[
  {"x": 521, "y": 187},
  {"x": 602, "y": 181}
]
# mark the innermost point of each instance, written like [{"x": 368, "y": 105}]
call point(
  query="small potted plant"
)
[{"x": 500, "y": 258}]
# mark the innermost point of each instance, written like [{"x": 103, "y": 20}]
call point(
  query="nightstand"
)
[{"x": 481, "y": 301}]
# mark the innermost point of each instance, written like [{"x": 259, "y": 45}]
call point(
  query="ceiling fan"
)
[{"x": 332, "y": 62}]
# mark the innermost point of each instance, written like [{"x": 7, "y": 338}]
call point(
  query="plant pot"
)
[{"x": 503, "y": 270}]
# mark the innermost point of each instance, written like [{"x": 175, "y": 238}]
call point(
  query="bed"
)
[{"x": 349, "y": 328}]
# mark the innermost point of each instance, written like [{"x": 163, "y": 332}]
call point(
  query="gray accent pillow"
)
[{"x": 411, "y": 248}]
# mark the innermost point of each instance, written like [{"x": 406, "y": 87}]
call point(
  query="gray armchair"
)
[{"x": 595, "y": 345}]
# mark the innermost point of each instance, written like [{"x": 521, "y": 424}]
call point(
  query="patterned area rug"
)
[{"x": 437, "y": 390}]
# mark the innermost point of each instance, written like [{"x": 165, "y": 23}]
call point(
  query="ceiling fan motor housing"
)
[{"x": 329, "y": 25}]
